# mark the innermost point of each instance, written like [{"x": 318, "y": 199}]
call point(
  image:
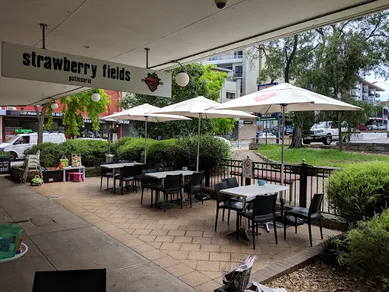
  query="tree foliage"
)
[
  {"x": 204, "y": 81},
  {"x": 79, "y": 103},
  {"x": 330, "y": 61}
]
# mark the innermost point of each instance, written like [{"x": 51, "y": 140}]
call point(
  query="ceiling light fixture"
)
[
  {"x": 182, "y": 78},
  {"x": 95, "y": 96},
  {"x": 54, "y": 106}
]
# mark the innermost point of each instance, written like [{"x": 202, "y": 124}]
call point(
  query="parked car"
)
[
  {"x": 372, "y": 127},
  {"x": 269, "y": 136},
  {"x": 22, "y": 142},
  {"x": 223, "y": 139},
  {"x": 381, "y": 127},
  {"x": 325, "y": 132}
]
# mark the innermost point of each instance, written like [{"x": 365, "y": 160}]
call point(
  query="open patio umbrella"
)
[
  {"x": 143, "y": 113},
  {"x": 199, "y": 107},
  {"x": 285, "y": 98}
]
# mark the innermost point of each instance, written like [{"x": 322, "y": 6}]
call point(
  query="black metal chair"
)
[
  {"x": 107, "y": 173},
  {"x": 127, "y": 174},
  {"x": 263, "y": 211},
  {"x": 147, "y": 182},
  {"x": 172, "y": 186},
  {"x": 194, "y": 186},
  {"x": 310, "y": 214},
  {"x": 227, "y": 203},
  {"x": 232, "y": 182},
  {"x": 139, "y": 173}
]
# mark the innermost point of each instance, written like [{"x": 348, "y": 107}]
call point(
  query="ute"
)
[{"x": 325, "y": 132}]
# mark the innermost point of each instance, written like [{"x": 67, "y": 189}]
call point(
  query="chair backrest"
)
[
  {"x": 232, "y": 182},
  {"x": 128, "y": 171},
  {"x": 144, "y": 171},
  {"x": 139, "y": 168},
  {"x": 263, "y": 205},
  {"x": 196, "y": 179},
  {"x": 219, "y": 196},
  {"x": 316, "y": 203},
  {"x": 173, "y": 182},
  {"x": 105, "y": 170}
]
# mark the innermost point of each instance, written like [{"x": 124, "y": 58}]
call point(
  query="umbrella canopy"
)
[
  {"x": 294, "y": 98},
  {"x": 143, "y": 113},
  {"x": 286, "y": 98},
  {"x": 199, "y": 107}
]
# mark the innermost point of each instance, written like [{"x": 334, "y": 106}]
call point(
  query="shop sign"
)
[
  {"x": 31, "y": 63},
  {"x": 248, "y": 122},
  {"x": 5, "y": 163},
  {"x": 33, "y": 113},
  {"x": 17, "y": 131},
  {"x": 268, "y": 117}
]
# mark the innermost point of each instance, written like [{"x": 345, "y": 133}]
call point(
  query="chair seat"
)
[
  {"x": 234, "y": 205},
  {"x": 302, "y": 213},
  {"x": 127, "y": 178},
  {"x": 110, "y": 174},
  {"x": 259, "y": 218},
  {"x": 157, "y": 187}
]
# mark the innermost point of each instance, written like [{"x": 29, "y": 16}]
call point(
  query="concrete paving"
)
[{"x": 64, "y": 241}]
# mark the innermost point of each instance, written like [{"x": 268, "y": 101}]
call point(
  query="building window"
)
[
  {"x": 230, "y": 95},
  {"x": 238, "y": 54},
  {"x": 238, "y": 71}
]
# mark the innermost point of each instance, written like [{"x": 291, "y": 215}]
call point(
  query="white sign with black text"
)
[{"x": 31, "y": 63}]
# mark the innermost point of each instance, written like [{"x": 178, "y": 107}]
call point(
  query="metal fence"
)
[{"x": 303, "y": 180}]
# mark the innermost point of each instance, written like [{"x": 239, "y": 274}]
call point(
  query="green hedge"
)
[
  {"x": 360, "y": 190},
  {"x": 368, "y": 247},
  {"x": 173, "y": 152},
  {"x": 88, "y": 149}
]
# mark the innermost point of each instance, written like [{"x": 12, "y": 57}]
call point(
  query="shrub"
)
[
  {"x": 163, "y": 153},
  {"x": 118, "y": 143},
  {"x": 132, "y": 149},
  {"x": 359, "y": 190},
  {"x": 368, "y": 246},
  {"x": 50, "y": 153}
]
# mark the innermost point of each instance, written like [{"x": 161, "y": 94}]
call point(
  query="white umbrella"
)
[
  {"x": 285, "y": 98},
  {"x": 143, "y": 113},
  {"x": 199, "y": 107}
]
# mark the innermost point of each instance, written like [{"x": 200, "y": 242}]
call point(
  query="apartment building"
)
[{"x": 366, "y": 91}]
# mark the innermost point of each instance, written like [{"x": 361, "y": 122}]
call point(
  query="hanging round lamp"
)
[
  {"x": 182, "y": 78},
  {"x": 54, "y": 106},
  {"x": 95, "y": 96}
]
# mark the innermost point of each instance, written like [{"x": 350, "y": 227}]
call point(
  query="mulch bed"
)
[{"x": 320, "y": 277}]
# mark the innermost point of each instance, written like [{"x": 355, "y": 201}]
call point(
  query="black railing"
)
[{"x": 303, "y": 180}]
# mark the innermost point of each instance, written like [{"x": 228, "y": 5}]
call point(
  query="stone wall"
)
[{"x": 367, "y": 147}]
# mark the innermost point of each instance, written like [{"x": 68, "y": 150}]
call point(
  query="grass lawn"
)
[{"x": 319, "y": 157}]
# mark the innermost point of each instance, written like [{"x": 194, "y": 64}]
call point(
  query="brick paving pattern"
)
[{"x": 181, "y": 241}]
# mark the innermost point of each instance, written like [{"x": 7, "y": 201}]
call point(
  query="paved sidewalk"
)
[{"x": 64, "y": 241}]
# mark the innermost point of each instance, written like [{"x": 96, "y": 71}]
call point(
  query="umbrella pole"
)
[
  {"x": 198, "y": 144},
  {"x": 283, "y": 144},
  {"x": 146, "y": 140}
]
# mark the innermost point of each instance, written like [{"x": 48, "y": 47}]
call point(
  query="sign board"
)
[
  {"x": 268, "y": 117},
  {"x": 247, "y": 168},
  {"x": 5, "y": 163},
  {"x": 248, "y": 122},
  {"x": 31, "y": 63},
  {"x": 18, "y": 131}
]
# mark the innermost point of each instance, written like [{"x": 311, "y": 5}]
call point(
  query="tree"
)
[
  {"x": 42, "y": 114},
  {"x": 79, "y": 103},
  {"x": 204, "y": 81},
  {"x": 330, "y": 61}
]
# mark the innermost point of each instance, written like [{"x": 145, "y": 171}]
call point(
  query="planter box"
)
[{"x": 52, "y": 176}]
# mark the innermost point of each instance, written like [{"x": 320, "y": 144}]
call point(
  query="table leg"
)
[
  {"x": 242, "y": 232},
  {"x": 84, "y": 173},
  {"x": 64, "y": 175},
  {"x": 114, "y": 180}
]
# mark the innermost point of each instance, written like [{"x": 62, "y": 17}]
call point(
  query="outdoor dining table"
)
[
  {"x": 162, "y": 175},
  {"x": 115, "y": 166},
  {"x": 248, "y": 193}
]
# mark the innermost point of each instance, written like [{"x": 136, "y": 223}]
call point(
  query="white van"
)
[{"x": 22, "y": 142}]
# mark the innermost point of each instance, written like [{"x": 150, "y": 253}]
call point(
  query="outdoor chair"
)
[
  {"x": 172, "y": 186},
  {"x": 106, "y": 172},
  {"x": 127, "y": 174},
  {"x": 139, "y": 173},
  {"x": 232, "y": 182},
  {"x": 309, "y": 214},
  {"x": 224, "y": 202},
  {"x": 194, "y": 186},
  {"x": 263, "y": 211},
  {"x": 146, "y": 182}
]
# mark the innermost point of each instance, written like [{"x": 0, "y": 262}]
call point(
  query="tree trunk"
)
[
  {"x": 297, "y": 138},
  {"x": 340, "y": 131},
  {"x": 41, "y": 119}
]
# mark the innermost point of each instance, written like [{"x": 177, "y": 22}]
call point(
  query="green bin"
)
[{"x": 11, "y": 236}]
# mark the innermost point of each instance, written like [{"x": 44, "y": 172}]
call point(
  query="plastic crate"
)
[{"x": 52, "y": 176}]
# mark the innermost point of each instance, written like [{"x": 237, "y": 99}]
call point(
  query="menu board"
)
[{"x": 5, "y": 163}]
